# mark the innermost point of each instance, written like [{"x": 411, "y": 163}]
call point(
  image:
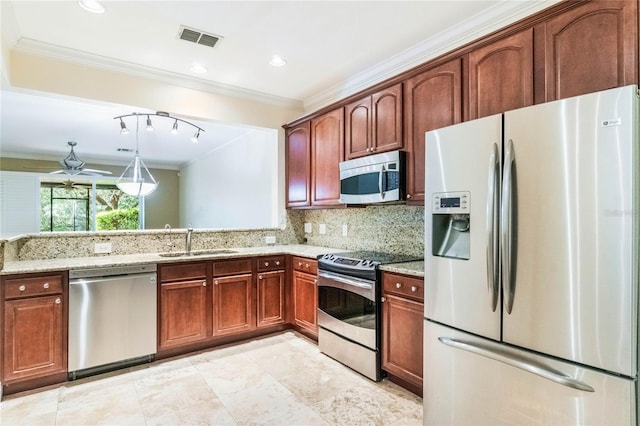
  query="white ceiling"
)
[{"x": 332, "y": 48}]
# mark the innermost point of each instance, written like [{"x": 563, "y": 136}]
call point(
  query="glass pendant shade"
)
[{"x": 136, "y": 179}]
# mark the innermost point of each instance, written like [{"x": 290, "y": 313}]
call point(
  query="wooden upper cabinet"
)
[
  {"x": 432, "y": 99},
  {"x": 327, "y": 151},
  {"x": 501, "y": 75},
  {"x": 374, "y": 124},
  {"x": 298, "y": 171},
  {"x": 590, "y": 48}
]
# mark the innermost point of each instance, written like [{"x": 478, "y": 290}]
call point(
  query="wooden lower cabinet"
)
[
  {"x": 305, "y": 301},
  {"x": 232, "y": 304},
  {"x": 271, "y": 298},
  {"x": 402, "y": 329},
  {"x": 183, "y": 313},
  {"x": 34, "y": 343}
]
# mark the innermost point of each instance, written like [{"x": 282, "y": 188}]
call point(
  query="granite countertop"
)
[
  {"x": 408, "y": 268},
  {"x": 27, "y": 266}
]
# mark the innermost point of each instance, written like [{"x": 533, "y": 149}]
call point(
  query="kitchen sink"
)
[{"x": 196, "y": 252}]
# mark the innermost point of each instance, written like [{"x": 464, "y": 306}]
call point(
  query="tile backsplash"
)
[{"x": 389, "y": 228}]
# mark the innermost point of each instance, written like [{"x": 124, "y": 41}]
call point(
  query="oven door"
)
[{"x": 347, "y": 307}]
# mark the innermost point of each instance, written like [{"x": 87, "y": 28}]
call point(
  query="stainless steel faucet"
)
[{"x": 187, "y": 246}]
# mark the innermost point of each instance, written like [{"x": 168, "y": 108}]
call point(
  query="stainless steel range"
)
[{"x": 348, "y": 308}]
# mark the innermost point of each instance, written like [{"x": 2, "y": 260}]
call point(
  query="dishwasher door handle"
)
[{"x": 104, "y": 280}]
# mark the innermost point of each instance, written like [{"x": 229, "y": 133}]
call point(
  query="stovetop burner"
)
[{"x": 359, "y": 263}]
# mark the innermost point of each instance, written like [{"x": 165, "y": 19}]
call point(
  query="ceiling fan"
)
[
  {"x": 70, "y": 185},
  {"x": 72, "y": 165}
]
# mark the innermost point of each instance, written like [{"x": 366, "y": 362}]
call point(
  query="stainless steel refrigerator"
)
[{"x": 531, "y": 265}]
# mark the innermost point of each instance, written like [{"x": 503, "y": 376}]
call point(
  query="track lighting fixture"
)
[
  {"x": 123, "y": 128},
  {"x": 136, "y": 179}
]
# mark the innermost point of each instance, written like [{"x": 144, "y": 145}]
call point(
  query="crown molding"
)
[
  {"x": 38, "y": 48},
  {"x": 498, "y": 16}
]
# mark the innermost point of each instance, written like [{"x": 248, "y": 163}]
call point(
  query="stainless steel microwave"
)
[{"x": 372, "y": 179}]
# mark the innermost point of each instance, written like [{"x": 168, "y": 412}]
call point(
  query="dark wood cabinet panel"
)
[
  {"x": 374, "y": 124},
  {"x": 298, "y": 170},
  {"x": 358, "y": 119},
  {"x": 327, "y": 150},
  {"x": 183, "y": 313},
  {"x": 270, "y": 298},
  {"x": 402, "y": 339},
  {"x": 590, "y": 48},
  {"x": 34, "y": 337},
  {"x": 501, "y": 75},
  {"x": 232, "y": 304},
  {"x": 232, "y": 267},
  {"x": 387, "y": 119},
  {"x": 432, "y": 99},
  {"x": 305, "y": 301}
]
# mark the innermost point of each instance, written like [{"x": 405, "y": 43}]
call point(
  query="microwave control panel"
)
[{"x": 451, "y": 202}]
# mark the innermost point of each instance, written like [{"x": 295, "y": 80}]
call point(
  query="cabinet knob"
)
[
  {"x": 58, "y": 301},
  {"x": 216, "y": 282},
  {"x": 408, "y": 196},
  {"x": 299, "y": 263},
  {"x": 414, "y": 288},
  {"x": 266, "y": 263},
  {"x": 315, "y": 281},
  {"x": 259, "y": 277},
  {"x": 277, "y": 263},
  {"x": 46, "y": 285},
  {"x": 398, "y": 285},
  {"x": 204, "y": 283},
  {"x": 306, "y": 265},
  {"x": 22, "y": 288},
  {"x": 382, "y": 299}
]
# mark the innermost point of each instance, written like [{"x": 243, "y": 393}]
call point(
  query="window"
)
[{"x": 67, "y": 206}]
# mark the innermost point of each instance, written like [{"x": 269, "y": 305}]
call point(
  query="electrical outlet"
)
[
  {"x": 102, "y": 248},
  {"x": 322, "y": 229},
  {"x": 270, "y": 239},
  {"x": 345, "y": 230},
  {"x": 308, "y": 228}
]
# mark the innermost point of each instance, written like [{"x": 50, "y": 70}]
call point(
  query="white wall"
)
[{"x": 233, "y": 187}]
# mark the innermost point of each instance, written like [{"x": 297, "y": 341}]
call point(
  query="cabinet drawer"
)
[
  {"x": 184, "y": 271},
  {"x": 232, "y": 267},
  {"x": 27, "y": 287},
  {"x": 403, "y": 285},
  {"x": 270, "y": 263},
  {"x": 304, "y": 264}
]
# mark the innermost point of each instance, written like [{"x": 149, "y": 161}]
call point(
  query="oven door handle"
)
[{"x": 344, "y": 280}]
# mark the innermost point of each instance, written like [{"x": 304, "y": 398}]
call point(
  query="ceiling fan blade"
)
[{"x": 94, "y": 172}]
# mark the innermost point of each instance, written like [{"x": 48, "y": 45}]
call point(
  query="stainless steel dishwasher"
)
[{"x": 112, "y": 318}]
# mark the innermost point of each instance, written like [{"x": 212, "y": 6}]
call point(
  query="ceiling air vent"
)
[{"x": 196, "y": 36}]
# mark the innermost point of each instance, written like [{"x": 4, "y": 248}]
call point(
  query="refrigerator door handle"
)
[
  {"x": 493, "y": 283},
  {"x": 505, "y": 227},
  {"x": 520, "y": 362}
]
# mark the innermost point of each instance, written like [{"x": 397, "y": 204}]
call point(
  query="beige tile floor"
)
[{"x": 282, "y": 379}]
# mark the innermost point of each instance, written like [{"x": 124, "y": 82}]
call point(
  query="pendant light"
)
[{"x": 136, "y": 179}]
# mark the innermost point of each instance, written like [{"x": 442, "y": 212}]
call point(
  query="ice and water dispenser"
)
[{"x": 451, "y": 224}]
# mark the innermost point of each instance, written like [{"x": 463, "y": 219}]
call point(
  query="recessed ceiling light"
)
[
  {"x": 198, "y": 68},
  {"x": 93, "y": 6},
  {"x": 277, "y": 61}
]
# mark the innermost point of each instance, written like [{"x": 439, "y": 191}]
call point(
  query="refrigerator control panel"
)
[{"x": 451, "y": 202}]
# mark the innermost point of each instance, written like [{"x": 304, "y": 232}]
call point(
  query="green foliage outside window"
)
[{"x": 117, "y": 219}]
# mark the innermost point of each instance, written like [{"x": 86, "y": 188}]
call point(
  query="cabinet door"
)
[
  {"x": 327, "y": 150},
  {"x": 305, "y": 301},
  {"x": 33, "y": 337},
  {"x": 501, "y": 75},
  {"x": 432, "y": 99},
  {"x": 270, "y": 298},
  {"x": 232, "y": 304},
  {"x": 183, "y": 313},
  {"x": 590, "y": 48},
  {"x": 358, "y": 128},
  {"x": 402, "y": 331},
  {"x": 387, "y": 119},
  {"x": 298, "y": 161}
]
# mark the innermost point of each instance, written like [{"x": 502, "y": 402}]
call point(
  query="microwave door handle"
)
[{"x": 380, "y": 178}]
